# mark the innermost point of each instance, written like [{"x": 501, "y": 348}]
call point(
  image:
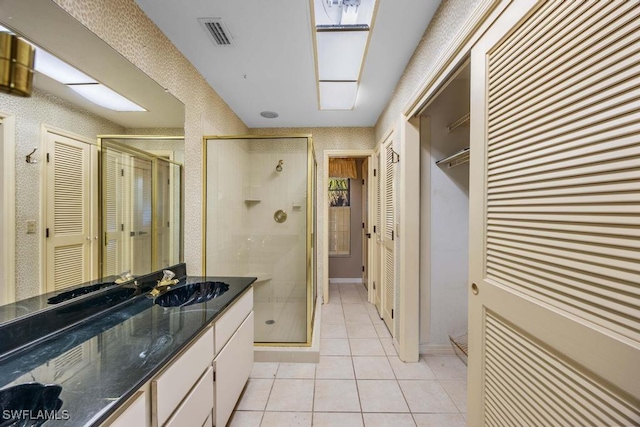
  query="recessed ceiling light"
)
[{"x": 269, "y": 114}]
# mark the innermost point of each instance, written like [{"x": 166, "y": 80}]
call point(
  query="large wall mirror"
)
[{"x": 52, "y": 228}]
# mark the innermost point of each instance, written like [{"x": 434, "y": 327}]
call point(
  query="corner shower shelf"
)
[
  {"x": 461, "y": 346},
  {"x": 457, "y": 159},
  {"x": 460, "y": 122}
]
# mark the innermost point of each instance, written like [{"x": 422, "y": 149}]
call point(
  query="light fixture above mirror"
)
[{"x": 60, "y": 71}]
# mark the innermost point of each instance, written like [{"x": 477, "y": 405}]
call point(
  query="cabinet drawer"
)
[
  {"x": 196, "y": 407},
  {"x": 174, "y": 383},
  {"x": 135, "y": 414},
  {"x": 227, "y": 325},
  {"x": 233, "y": 366}
]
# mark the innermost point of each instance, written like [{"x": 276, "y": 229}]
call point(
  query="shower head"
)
[{"x": 279, "y": 167}]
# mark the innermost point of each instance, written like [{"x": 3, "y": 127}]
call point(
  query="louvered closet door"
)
[
  {"x": 377, "y": 242},
  {"x": 388, "y": 218},
  {"x": 114, "y": 222},
  {"x": 69, "y": 247},
  {"x": 555, "y": 217}
]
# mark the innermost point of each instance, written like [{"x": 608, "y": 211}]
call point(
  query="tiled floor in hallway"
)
[{"x": 359, "y": 381}]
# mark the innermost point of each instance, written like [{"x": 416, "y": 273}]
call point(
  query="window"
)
[{"x": 339, "y": 217}]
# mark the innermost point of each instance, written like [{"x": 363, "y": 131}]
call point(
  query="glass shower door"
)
[{"x": 259, "y": 224}]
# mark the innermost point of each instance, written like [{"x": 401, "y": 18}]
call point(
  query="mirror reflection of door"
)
[
  {"x": 163, "y": 210},
  {"x": 115, "y": 261},
  {"x": 70, "y": 225},
  {"x": 140, "y": 216}
]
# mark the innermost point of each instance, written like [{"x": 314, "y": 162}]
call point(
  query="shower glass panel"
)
[
  {"x": 141, "y": 197},
  {"x": 259, "y": 223}
]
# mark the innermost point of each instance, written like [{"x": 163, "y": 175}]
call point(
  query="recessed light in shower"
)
[{"x": 269, "y": 114}]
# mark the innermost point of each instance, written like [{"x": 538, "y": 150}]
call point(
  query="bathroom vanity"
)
[{"x": 139, "y": 363}]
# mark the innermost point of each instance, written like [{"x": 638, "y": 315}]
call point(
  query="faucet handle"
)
[
  {"x": 167, "y": 275},
  {"x": 125, "y": 276}
]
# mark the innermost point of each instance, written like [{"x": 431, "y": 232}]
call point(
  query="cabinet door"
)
[
  {"x": 195, "y": 409},
  {"x": 233, "y": 365},
  {"x": 228, "y": 324}
]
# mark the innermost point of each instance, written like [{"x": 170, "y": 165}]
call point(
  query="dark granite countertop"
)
[{"x": 101, "y": 362}]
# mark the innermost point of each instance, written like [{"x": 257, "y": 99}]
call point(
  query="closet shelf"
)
[
  {"x": 461, "y": 346},
  {"x": 457, "y": 159},
  {"x": 460, "y": 122}
]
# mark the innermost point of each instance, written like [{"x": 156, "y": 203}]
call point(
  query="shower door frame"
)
[{"x": 311, "y": 258}]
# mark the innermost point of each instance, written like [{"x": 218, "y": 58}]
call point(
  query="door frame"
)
[
  {"x": 45, "y": 130},
  {"x": 327, "y": 154},
  {"x": 8, "y": 225}
]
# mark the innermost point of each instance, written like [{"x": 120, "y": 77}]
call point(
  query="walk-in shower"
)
[{"x": 259, "y": 222}]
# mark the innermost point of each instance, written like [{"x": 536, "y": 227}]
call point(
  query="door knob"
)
[{"x": 474, "y": 289}]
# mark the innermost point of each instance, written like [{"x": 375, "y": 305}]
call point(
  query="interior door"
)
[
  {"x": 70, "y": 203},
  {"x": 554, "y": 305},
  {"x": 114, "y": 190},
  {"x": 377, "y": 236},
  {"x": 388, "y": 233},
  {"x": 141, "y": 216},
  {"x": 163, "y": 211},
  {"x": 365, "y": 224}
]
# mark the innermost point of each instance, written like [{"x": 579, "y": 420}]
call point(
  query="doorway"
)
[
  {"x": 444, "y": 210},
  {"x": 348, "y": 220}
]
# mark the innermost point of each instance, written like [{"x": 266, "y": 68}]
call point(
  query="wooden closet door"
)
[{"x": 554, "y": 309}]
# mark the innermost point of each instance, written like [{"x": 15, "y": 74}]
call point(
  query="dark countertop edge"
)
[{"x": 101, "y": 418}]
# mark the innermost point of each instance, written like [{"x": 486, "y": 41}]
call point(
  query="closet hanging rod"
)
[
  {"x": 457, "y": 159},
  {"x": 461, "y": 121}
]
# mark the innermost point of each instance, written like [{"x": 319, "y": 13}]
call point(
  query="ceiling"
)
[
  {"x": 271, "y": 67},
  {"x": 47, "y": 25}
]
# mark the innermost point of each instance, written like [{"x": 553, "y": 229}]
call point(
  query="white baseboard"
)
[
  {"x": 346, "y": 280},
  {"x": 436, "y": 349}
]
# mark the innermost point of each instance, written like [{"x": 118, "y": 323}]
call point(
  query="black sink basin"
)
[
  {"x": 193, "y": 293},
  {"x": 74, "y": 293},
  {"x": 29, "y": 404}
]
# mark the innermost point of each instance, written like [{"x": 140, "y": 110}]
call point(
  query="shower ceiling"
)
[{"x": 269, "y": 64}]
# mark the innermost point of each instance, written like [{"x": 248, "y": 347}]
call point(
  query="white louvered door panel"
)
[
  {"x": 113, "y": 196},
  {"x": 555, "y": 216},
  {"x": 70, "y": 241},
  {"x": 377, "y": 243},
  {"x": 387, "y": 233}
]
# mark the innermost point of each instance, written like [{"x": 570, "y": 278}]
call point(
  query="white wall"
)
[
  {"x": 445, "y": 210},
  {"x": 447, "y": 21}
]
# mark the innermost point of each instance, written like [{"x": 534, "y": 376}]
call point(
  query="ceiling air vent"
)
[{"x": 217, "y": 30}]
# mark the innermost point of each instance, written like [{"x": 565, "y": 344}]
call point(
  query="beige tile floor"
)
[{"x": 360, "y": 381}]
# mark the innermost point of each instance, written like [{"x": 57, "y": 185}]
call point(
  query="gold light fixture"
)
[{"x": 17, "y": 58}]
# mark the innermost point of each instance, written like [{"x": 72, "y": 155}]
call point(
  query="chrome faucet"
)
[{"x": 163, "y": 284}]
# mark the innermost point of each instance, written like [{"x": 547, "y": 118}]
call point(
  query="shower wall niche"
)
[{"x": 259, "y": 222}]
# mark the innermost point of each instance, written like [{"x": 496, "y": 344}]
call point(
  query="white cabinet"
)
[
  {"x": 196, "y": 408},
  {"x": 233, "y": 365},
  {"x": 133, "y": 413},
  {"x": 171, "y": 386}
]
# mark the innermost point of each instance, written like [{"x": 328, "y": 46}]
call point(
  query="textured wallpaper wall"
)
[
  {"x": 445, "y": 24},
  {"x": 128, "y": 30},
  {"x": 31, "y": 113}
]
